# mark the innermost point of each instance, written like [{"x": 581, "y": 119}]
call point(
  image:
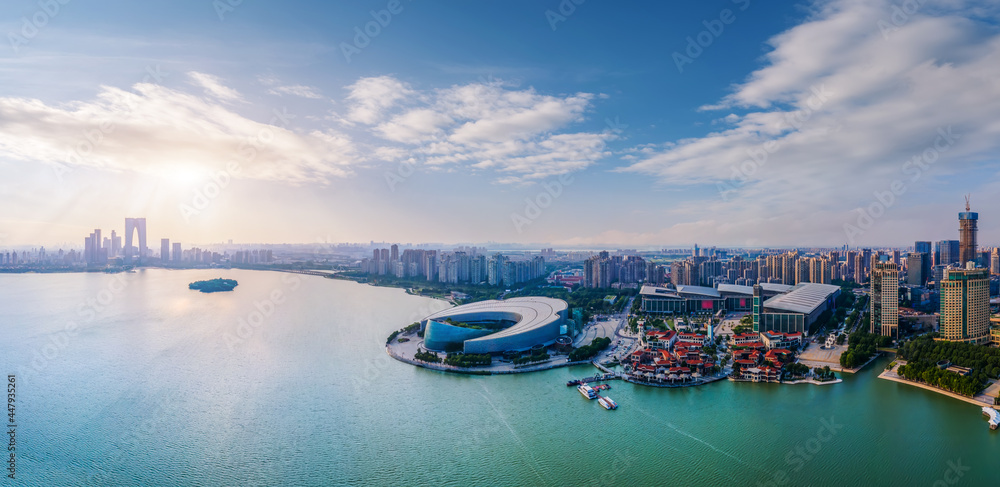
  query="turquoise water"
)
[{"x": 155, "y": 384}]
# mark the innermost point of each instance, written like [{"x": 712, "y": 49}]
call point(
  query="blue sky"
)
[{"x": 457, "y": 118}]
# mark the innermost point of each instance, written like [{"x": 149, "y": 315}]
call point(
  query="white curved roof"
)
[
  {"x": 531, "y": 312},
  {"x": 804, "y": 297}
]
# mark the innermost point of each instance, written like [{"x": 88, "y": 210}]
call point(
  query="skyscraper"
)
[
  {"x": 947, "y": 252},
  {"x": 967, "y": 229},
  {"x": 164, "y": 249},
  {"x": 922, "y": 246},
  {"x": 885, "y": 299},
  {"x": 965, "y": 305},
  {"x": 177, "y": 252},
  {"x": 131, "y": 226},
  {"x": 917, "y": 268}
]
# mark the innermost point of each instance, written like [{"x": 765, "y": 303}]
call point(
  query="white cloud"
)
[
  {"x": 518, "y": 133},
  {"x": 213, "y": 86},
  {"x": 296, "y": 90},
  {"x": 369, "y": 98},
  {"x": 865, "y": 105},
  {"x": 154, "y": 129}
]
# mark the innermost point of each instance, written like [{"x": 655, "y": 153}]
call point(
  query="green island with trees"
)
[
  {"x": 924, "y": 353},
  {"x": 214, "y": 285}
]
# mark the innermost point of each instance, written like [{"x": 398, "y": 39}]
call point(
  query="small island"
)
[{"x": 213, "y": 285}]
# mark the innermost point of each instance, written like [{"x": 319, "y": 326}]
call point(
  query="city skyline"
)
[{"x": 756, "y": 125}]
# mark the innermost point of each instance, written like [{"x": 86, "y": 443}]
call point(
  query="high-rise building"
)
[
  {"x": 947, "y": 252},
  {"x": 965, "y": 305},
  {"x": 116, "y": 245},
  {"x": 788, "y": 269},
  {"x": 177, "y": 252},
  {"x": 995, "y": 261},
  {"x": 131, "y": 226},
  {"x": 917, "y": 268},
  {"x": 922, "y": 246},
  {"x": 885, "y": 299},
  {"x": 164, "y": 249},
  {"x": 967, "y": 229}
]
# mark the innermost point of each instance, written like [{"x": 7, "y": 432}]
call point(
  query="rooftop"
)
[
  {"x": 528, "y": 312},
  {"x": 748, "y": 290},
  {"x": 802, "y": 298}
]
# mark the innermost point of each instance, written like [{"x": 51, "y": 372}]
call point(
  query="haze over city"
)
[{"x": 774, "y": 127}]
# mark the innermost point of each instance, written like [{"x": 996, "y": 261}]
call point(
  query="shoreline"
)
[{"x": 971, "y": 400}]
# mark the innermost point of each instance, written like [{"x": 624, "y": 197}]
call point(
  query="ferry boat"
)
[
  {"x": 587, "y": 391},
  {"x": 573, "y": 383},
  {"x": 607, "y": 403},
  {"x": 993, "y": 415}
]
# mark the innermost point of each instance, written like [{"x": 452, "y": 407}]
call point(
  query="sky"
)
[{"x": 567, "y": 123}]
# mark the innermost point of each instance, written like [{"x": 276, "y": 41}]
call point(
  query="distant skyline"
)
[{"x": 440, "y": 122}]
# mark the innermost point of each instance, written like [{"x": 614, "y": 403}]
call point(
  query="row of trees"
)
[
  {"x": 797, "y": 369},
  {"x": 426, "y": 356},
  {"x": 538, "y": 356},
  {"x": 930, "y": 373},
  {"x": 589, "y": 351},
  {"x": 468, "y": 359},
  {"x": 924, "y": 353},
  {"x": 977, "y": 357},
  {"x": 861, "y": 347}
]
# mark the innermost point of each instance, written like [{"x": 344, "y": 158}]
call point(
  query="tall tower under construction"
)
[{"x": 967, "y": 228}]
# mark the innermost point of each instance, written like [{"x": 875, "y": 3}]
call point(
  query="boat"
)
[
  {"x": 993, "y": 415},
  {"x": 587, "y": 391},
  {"x": 573, "y": 383},
  {"x": 607, "y": 403}
]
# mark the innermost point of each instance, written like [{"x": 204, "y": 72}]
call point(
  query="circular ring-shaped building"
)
[{"x": 496, "y": 326}]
